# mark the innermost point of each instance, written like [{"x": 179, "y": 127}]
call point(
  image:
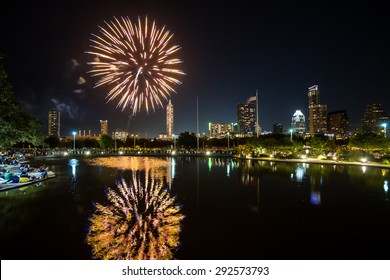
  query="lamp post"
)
[
  {"x": 74, "y": 141},
  {"x": 384, "y": 129},
  {"x": 228, "y": 140},
  {"x": 291, "y": 131},
  {"x": 134, "y": 138}
]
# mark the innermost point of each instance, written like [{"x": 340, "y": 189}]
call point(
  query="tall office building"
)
[
  {"x": 338, "y": 123},
  {"x": 169, "y": 120},
  {"x": 277, "y": 128},
  {"x": 54, "y": 123},
  {"x": 247, "y": 115},
  {"x": 317, "y": 112},
  {"x": 298, "y": 123},
  {"x": 373, "y": 119},
  {"x": 103, "y": 127}
]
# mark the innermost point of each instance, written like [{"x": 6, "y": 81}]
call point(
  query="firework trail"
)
[{"x": 137, "y": 61}]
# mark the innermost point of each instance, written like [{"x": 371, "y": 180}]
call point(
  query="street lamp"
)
[
  {"x": 74, "y": 141},
  {"x": 228, "y": 140},
  {"x": 134, "y": 138},
  {"x": 291, "y": 131},
  {"x": 384, "y": 129},
  {"x": 174, "y": 141}
]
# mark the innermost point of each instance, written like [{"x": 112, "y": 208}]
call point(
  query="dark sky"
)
[{"x": 229, "y": 50}]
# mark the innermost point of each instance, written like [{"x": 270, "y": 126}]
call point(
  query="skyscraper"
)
[
  {"x": 298, "y": 123},
  {"x": 277, "y": 128},
  {"x": 54, "y": 123},
  {"x": 317, "y": 112},
  {"x": 338, "y": 123},
  {"x": 104, "y": 127},
  {"x": 246, "y": 116},
  {"x": 169, "y": 120},
  {"x": 373, "y": 118}
]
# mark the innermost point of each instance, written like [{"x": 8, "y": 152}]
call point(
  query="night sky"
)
[{"x": 229, "y": 51}]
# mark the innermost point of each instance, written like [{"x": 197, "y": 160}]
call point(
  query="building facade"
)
[
  {"x": 373, "y": 119},
  {"x": 247, "y": 116},
  {"x": 277, "y": 128},
  {"x": 220, "y": 130},
  {"x": 169, "y": 120},
  {"x": 103, "y": 127},
  {"x": 54, "y": 124},
  {"x": 298, "y": 122},
  {"x": 338, "y": 124},
  {"x": 120, "y": 135},
  {"x": 317, "y": 112}
]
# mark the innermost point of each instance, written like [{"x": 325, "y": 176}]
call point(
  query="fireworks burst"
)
[
  {"x": 142, "y": 221},
  {"x": 137, "y": 61}
]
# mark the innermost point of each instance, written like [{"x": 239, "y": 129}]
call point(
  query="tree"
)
[
  {"x": 106, "y": 142},
  {"x": 16, "y": 125},
  {"x": 52, "y": 141},
  {"x": 187, "y": 140}
]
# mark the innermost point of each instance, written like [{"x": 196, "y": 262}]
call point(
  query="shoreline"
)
[
  {"x": 307, "y": 160},
  {"x": 324, "y": 161}
]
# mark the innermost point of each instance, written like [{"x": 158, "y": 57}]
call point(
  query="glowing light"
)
[
  {"x": 136, "y": 61},
  {"x": 208, "y": 153},
  {"x": 299, "y": 173},
  {"x": 386, "y": 186},
  {"x": 364, "y": 169},
  {"x": 364, "y": 160},
  {"x": 73, "y": 163}
]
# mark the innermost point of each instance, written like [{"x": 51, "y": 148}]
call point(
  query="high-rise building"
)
[
  {"x": 247, "y": 116},
  {"x": 317, "y": 112},
  {"x": 338, "y": 123},
  {"x": 169, "y": 120},
  {"x": 373, "y": 119},
  {"x": 298, "y": 123},
  {"x": 103, "y": 127},
  {"x": 277, "y": 128},
  {"x": 220, "y": 130},
  {"x": 54, "y": 123}
]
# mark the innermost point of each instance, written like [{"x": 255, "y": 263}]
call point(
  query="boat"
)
[{"x": 34, "y": 176}]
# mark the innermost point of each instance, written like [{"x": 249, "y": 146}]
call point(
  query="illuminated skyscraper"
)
[
  {"x": 246, "y": 116},
  {"x": 54, "y": 123},
  {"x": 104, "y": 127},
  {"x": 373, "y": 119},
  {"x": 169, "y": 120},
  {"x": 338, "y": 123},
  {"x": 317, "y": 112},
  {"x": 298, "y": 123}
]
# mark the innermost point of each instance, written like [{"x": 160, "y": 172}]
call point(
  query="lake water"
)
[{"x": 197, "y": 208}]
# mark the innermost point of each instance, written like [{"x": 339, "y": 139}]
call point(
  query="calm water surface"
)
[{"x": 197, "y": 208}]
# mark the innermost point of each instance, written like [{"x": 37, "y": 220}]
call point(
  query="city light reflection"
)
[{"x": 73, "y": 163}]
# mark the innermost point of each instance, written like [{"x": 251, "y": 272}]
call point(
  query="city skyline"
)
[{"x": 228, "y": 52}]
